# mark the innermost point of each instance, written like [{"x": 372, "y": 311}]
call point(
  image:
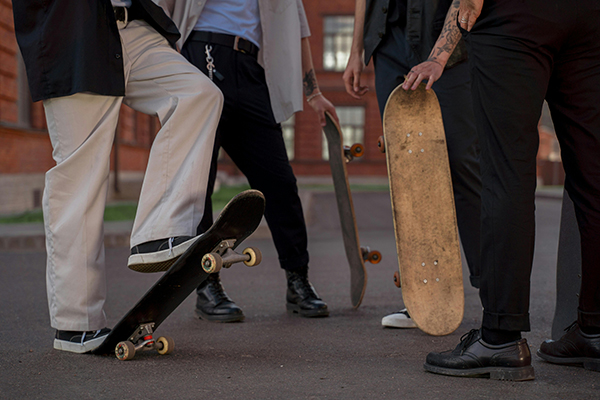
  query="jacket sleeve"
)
[{"x": 304, "y": 28}]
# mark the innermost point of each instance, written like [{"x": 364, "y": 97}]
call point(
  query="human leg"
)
[
  {"x": 81, "y": 128},
  {"x": 573, "y": 98},
  {"x": 161, "y": 82}
]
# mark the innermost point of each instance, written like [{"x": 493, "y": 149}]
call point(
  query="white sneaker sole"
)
[
  {"x": 160, "y": 260},
  {"x": 397, "y": 320},
  {"x": 78, "y": 347}
]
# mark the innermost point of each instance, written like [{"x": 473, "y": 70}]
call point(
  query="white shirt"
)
[{"x": 233, "y": 17}]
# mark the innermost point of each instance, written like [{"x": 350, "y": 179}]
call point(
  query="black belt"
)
[
  {"x": 125, "y": 14},
  {"x": 237, "y": 43}
]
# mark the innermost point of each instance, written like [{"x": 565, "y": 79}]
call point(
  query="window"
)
[
  {"x": 352, "y": 122},
  {"x": 288, "y": 135},
  {"x": 337, "y": 42}
]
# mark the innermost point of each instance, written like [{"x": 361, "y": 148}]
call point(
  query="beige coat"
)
[{"x": 283, "y": 25}]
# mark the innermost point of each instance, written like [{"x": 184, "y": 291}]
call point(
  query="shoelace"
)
[
  {"x": 467, "y": 339},
  {"x": 85, "y": 333},
  {"x": 171, "y": 246},
  {"x": 218, "y": 291}
]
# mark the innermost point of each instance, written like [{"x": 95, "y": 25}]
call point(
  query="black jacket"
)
[
  {"x": 424, "y": 23},
  {"x": 73, "y": 46}
]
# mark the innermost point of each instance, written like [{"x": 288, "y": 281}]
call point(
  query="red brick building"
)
[{"x": 26, "y": 153}]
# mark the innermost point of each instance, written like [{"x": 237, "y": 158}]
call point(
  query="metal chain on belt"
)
[{"x": 210, "y": 61}]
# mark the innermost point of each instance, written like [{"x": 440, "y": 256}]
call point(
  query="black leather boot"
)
[
  {"x": 301, "y": 296},
  {"x": 213, "y": 304}
]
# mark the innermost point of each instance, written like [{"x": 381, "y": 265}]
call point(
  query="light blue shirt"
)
[
  {"x": 233, "y": 17},
  {"x": 121, "y": 3}
]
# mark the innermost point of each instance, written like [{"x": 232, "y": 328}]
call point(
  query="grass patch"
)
[{"x": 125, "y": 211}]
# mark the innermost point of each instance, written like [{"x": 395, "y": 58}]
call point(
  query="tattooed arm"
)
[
  {"x": 432, "y": 69},
  {"x": 311, "y": 87}
]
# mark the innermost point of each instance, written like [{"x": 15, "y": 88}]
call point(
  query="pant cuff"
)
[
  {"x": 506, "y": 322},
  {"x": 588, "y": 319}
]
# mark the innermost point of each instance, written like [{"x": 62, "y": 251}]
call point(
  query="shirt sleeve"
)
[{"x": 304, "y": 28}]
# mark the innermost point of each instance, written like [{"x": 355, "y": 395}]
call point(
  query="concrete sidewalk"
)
[{"x": 116, "y": 234}]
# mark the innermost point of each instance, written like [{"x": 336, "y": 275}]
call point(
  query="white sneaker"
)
[{"x": 399, "y": 319}]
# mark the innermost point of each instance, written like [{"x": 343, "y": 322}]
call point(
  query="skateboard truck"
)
[
  {"x": 372, "y": 256},
  {"x": 223, "y": 256},
  {"x": 142, "y": 340},
  {"x": 356, "y": 150}
]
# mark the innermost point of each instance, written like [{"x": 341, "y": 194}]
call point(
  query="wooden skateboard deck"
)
[
  {"x": 568, "y": 270},
  {"x": 423, "y": 210},
  {"x": 240, "y": 217},
  {"x": 338, "y": 157}
]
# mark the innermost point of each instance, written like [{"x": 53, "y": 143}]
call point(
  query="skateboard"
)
[
  {"x": 339, "y": 155},
  {"x": 430, "y": 266},
  {"x": 212, "y": 251},
  {"x": 568, "y": 270}
]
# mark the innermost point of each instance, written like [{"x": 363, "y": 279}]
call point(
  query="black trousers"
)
[
  {"x": 249, "y": 134},
  {"x": 522, "y": 52},
  {"x": 393, "y": 58}
]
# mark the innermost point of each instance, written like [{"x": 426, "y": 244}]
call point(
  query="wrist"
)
[{"x": 312, "y": 96}]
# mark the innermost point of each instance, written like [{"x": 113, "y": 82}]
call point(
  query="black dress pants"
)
[
  {"x": 393, "y": 58},
  {"x": 520, "y": 52},
  {"x": 249, "y": 134}
]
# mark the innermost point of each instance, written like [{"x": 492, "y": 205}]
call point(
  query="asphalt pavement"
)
[{"x": 272, "y": 355}]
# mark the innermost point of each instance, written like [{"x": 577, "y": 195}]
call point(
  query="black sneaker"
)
[
  {"x": 78, "y": 341},
  {"x": 159, "y": 255},
  {"x": 213, "y": 304},
  {"x": 302, "y": 298}
]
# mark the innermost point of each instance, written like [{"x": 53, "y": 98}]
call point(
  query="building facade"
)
[{"x": 26, "y": 153}]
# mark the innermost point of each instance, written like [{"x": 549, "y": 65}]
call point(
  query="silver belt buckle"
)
[
  {"x": 122, "y": 24},
  {"x": 235, "y": 45}
]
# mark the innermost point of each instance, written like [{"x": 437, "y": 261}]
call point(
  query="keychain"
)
[{"x": 210, "y": 64}]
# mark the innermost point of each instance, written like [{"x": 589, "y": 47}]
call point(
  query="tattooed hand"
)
[
  {"x": 429, "y": 70},
  {"x": 432, "y": 69}
]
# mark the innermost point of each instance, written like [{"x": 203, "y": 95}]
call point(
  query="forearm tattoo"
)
[
  {"x": 309, "y": 82},
  {"x": 450, "y": 34}
]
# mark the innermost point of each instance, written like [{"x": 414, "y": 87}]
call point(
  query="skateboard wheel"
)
[
  {"x": 125, "y": 351},
  {"x": 374, "y": 257},
  {"x": 165, "y": 345},
  {"x": 211, "y": 263},
  {"x": 381, "y": 144},
  {"x": 255, "y": 256},
  {"x": 397, "y": 279},
  {"x": 357, "y": 150}
]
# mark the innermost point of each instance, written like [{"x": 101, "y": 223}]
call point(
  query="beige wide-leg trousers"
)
[{"x": 159, "y": 81}]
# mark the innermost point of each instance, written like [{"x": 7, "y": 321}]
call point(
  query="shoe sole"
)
[
  {"x": 592, "y": 364},
  {"x": 406, "y": 324},
  {"x": 498, "y": 373},
  {"x": 78, "y": 347},
  {"x": 219, "y": 318},
  {"x": 294, "y": 309},
  {"x": 158, "y": 261}
]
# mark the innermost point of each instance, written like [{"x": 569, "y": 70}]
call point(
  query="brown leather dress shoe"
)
[
  {"x": 475, "y": 358},
  {"x": 575, "y": 347}
]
